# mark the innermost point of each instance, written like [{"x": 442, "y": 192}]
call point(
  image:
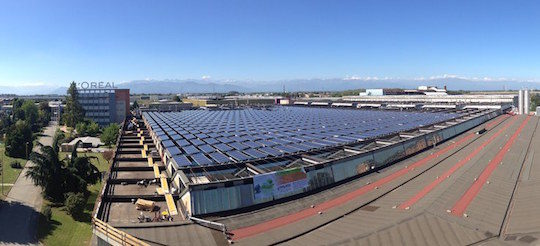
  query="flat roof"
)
[
  {"x": 415, "y": 201},
  {"x": 249, "y": 134}
]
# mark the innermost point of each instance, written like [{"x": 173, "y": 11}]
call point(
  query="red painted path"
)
[
  {"x": 308, "y": 212},
  {"x": 462, "y": 204},
  {"x": 445, "y": 175}
]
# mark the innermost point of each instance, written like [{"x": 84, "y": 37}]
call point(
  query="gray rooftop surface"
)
[{"x": 501, "y": 213}]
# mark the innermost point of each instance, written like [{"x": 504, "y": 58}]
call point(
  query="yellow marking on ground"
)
[
  {"x": 145, "y": 147},
  {"x": 156, "y": 172},
  {"x": 150, "y": 161},
  {"x": 171, "y": 205},
  {"x": 164, "y": 184},
  {"x": 143, "y": 153},
  {"x": 138, "y": 135},
  {"x": 159, "y": 190}
]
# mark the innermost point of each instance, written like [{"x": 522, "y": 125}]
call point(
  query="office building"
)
[{"x": 105, "y": 106}]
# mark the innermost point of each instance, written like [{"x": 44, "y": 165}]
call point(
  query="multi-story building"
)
[{"x": 105, "y": 106}]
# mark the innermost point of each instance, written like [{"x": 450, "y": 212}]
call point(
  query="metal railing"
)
[{"x": 111, "y": 233}]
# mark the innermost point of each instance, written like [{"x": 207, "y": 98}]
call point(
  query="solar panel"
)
[
  {"x": 238, "y": 146},
  {"x": 271, "y": 151},
  {"x": 255, "y": 153},
  {"x": 286, "y": 149},
  {"x": 266, "y": 143},
  {"x": 174, "y": 151},
  {"x": 225, "y": 140},
  {"x": 190, "y": 149},
  {"x": 201, "y": 159},
  {"x": 167, "y": 143},
  {"x": 252, "y": 144},
  {"x": 289, "y": 129},
  {"x": 182, "y": 161},
  {"x": 299, "y": 146},
  {"x": 182, "y": 143},
  {"x": 211, "y": 141},
  {"x": 223, "y": 147},
  {"x": 237, "y": 155},
  {"x": 197, "y": 142},
  {"x": 219, "y": 157}
]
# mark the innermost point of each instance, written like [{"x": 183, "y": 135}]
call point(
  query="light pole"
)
[{"x": 26, "y": 150}]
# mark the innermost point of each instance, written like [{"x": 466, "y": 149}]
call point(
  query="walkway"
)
[{"x": 19, "y": 216}]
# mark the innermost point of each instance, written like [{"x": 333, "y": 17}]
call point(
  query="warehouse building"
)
[{"x": 233, "y": 159}]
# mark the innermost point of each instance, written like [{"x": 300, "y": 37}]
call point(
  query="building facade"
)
[{"x": 105, "y": 106}]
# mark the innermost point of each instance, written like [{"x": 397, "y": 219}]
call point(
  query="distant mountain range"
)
[{"x": 337, "y": 84}]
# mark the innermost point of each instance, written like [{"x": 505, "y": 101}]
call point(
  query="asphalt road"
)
[{"x": 19, "y": 214}]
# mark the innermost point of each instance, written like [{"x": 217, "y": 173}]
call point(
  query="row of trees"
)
[{"x": 26, "y": 119}]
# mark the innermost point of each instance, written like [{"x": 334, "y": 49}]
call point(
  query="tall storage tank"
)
[
  {"x": 526, "y": 101},
  {"x": 520, "y": 102}
]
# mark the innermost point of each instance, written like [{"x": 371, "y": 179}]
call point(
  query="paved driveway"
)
[{"x": 19, "y": 214}]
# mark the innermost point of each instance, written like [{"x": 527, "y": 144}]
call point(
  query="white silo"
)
[
  {"x": 520, "y": 102},
  {"x": 526, "y": 101}
]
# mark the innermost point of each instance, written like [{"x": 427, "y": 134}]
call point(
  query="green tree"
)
[
  {"x": 19, "y": 140},
  {"x": 31, "y": 114},
  {"x": 81, "y": 129},
  {"x": 75, "y": 204},
  {"x": 82, "y": 167},
  {"x": 110, "y": 133},
  {"x": 135, "y": 105},
  {"x": 5, "y": 123},
  {"x": 18, "y": 113},
  {"x": 57, "y": 177},
  {"x": 48, "y": 173},
  {"x": 73, "y": 112},
  {"x": 92, "y": 129},
  {"x": 44, "y": 113}
]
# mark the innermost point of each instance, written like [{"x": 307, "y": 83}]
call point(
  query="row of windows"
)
[
  {"x": 98, "y": 101},
  {"x": 99, "y": 113},
  {"x": 96, "y": 107}
]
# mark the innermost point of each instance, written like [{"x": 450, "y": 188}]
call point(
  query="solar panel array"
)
[{"x": 202, "y": 137}]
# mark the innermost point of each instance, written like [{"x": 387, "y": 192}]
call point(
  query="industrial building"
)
[
  {"x": 168, "y": 106},
  {"x": 419, "y": 170},
  {"x": 224, "y": 162},
  {"x": 105, "y": 105},
  {"x": 422, "y": 90},
  {"x": 204, "y": 150},
  {"x": 231, "y": 101}
]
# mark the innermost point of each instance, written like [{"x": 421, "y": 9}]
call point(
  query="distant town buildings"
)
[{"x": 422, "y": 90}]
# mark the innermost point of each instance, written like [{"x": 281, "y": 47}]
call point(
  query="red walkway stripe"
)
[
  {"x": 462, "y": 204},
  {"x": 495, "y": 122},
  {"x": 287, "y": 219},
  {"x": 454, "y": 168}
]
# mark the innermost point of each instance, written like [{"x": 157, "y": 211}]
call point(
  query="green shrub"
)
[
  {"x": 110, "y": 133},
  {"x": 47, "y": 212},
  {"x": 75, "y": 204},
  {"x": 15, "y": 164}
]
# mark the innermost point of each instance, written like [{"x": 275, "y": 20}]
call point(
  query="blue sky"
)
[{"x": 53, "y": 42}]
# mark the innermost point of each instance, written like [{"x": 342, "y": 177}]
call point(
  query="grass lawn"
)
[
  {"x": 63, "y": 229},
  {"x": 10, "y": 174}
]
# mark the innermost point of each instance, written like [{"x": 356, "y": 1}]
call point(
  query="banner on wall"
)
[{"x": 268, "y": 185}]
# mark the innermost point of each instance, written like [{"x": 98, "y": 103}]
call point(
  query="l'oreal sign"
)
[{"x": 96, "y": 85}]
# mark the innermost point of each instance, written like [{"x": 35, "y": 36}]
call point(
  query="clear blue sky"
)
[{"x": 58, "y": 41}]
